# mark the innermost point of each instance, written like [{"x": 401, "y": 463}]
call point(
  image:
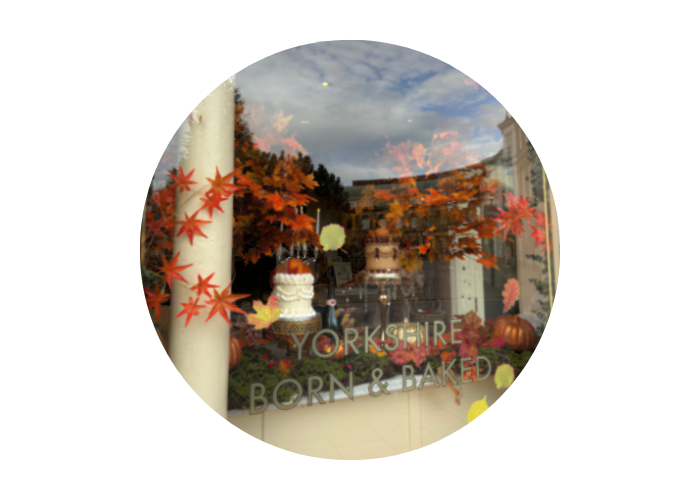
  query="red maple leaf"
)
[
  {"x": 212, "y": 201},
  {"x": 539, "y": 235},
  {"x": 223, "y": 302},
  {"x": 203, "y": 286},
  {"x": 221, "y": 185},
  {"x": 191, "y": 226},
  {"x": 181, "y": 180},
  {"x": 190, "y": 309},
  {"x": 509, "y": 221},
  {"x": 155, "y": 299},
  {"x": 172, "y": 271}
]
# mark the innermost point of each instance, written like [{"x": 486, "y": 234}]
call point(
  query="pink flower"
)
[
  {"x": 271, "y": 364},
  {"x": 264, "y": 356}
]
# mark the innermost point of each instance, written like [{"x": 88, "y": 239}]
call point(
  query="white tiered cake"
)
[{"x": 292, "y": 285}]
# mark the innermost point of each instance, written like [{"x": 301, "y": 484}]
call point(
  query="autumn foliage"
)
[
  {"x": 446, "y": 213},
  {"x": 268, "y": 191}
]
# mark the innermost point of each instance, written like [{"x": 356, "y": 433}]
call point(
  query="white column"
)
[{"x": 200, "y": 350}]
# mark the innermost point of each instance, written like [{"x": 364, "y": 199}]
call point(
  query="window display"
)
[{"x": 350, "y": 225}]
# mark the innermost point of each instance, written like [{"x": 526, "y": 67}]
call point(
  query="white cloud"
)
[{"x": 373, "y": 91}]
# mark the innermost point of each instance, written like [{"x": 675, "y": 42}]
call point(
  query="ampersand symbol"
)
[{"x": 376, "y": 375}]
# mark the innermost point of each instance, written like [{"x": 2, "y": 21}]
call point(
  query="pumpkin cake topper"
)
[{"x": 290, "y": 267}]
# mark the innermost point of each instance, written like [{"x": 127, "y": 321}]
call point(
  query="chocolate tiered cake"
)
[{"x": 382, "y": 253}]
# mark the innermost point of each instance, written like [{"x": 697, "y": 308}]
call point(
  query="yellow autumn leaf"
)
[
  {"x": 347, "y": 321},
  {"x": 265, "y": 314},
  {"x": 476, "y": 409},
  {"x": 279, "y": 122},
  {"x": 396, "y": 209}
]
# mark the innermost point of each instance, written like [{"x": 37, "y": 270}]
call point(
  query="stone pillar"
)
[{"x": 200, "y": 350}]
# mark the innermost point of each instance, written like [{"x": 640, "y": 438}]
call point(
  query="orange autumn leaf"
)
[
  {"x": 155, "y": 299},
  {"x": 285, "y": 366},
  {"x": 384, "y": 194},
  {"x": 447, "y": 356},
  {"x": 302, "y": 221},
  {"x": 265, "y": 314},
  {"x": 172, "y": 271},
  {"x": 203, "y": 286},
  {"x": 221, "y": 185},
  {"x": 277, "y": 202},
  {"x": 374, "y": 351},
  {"x": 471, "y": 321},
  {"x": 191, "y": 309},
  {"x": 425, "y": 247},
  {"x": 212, "y": 201},
  {"x": 396, "y": 209},
  {"x": 439, "y": 341},
  {"x": 181, "y": 180},
  {"x": 308, "y": 181},
  {"x": 224, "y": 302},
  {"x": 488, "y": 261},
  {"x": 190, "y": 226},
  {"x": 511, "y": 292}
]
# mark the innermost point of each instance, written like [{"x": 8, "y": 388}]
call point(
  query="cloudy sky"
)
[{"x": 348, "y": 103}]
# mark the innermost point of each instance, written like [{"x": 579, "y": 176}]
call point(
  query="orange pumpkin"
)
[
  {"x": 235, "y": 351},
  {"x": 517, "y": 332}
]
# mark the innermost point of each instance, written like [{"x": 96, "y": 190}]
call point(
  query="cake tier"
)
[
  {"x": 382, "y": 257},
  {"x": 294, "y": 293},
  {"x": 299, "y": 328}
]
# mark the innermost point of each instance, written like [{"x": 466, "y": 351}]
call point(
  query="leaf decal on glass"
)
[
  {"x": 511, "y": 292},
  {"x": 476, "y": 409},
  {"x": 265, "y": 314},
  {"x": 332, "y": 237},
  {"x": 504, "y": 376}
]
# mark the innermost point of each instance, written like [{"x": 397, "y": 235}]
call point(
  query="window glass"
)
[{"x": 383, "y": 203}]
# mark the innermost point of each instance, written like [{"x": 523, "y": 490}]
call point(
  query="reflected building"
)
[{"x": 460, "y": 286}]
